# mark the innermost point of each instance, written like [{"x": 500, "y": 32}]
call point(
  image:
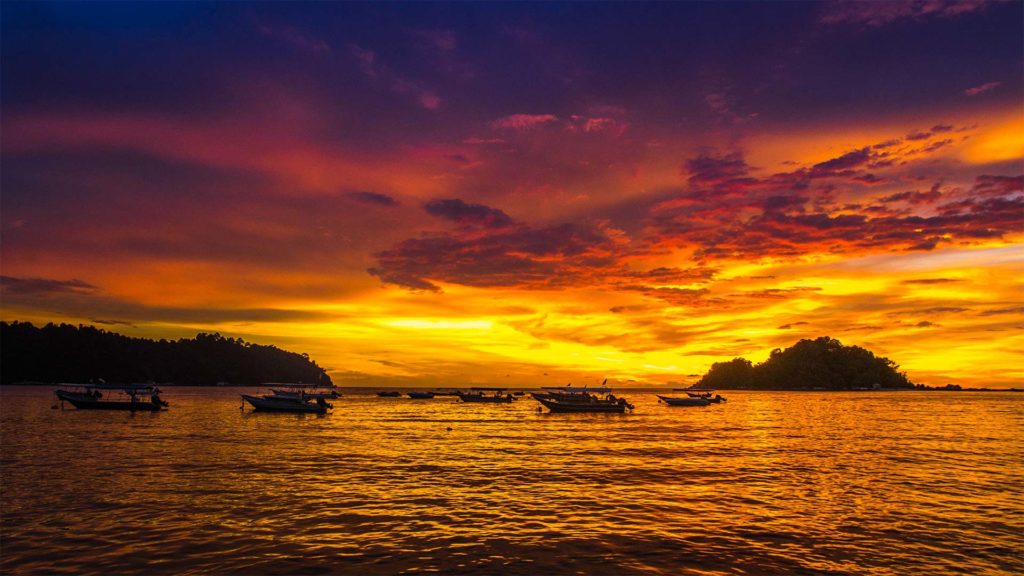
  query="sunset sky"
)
[{"x": 523, "y": 194}]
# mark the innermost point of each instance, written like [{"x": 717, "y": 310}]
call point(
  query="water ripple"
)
[{"x": 768, "y": 483}]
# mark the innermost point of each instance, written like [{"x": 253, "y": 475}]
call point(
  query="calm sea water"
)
[{"x": 788, "y": 483}]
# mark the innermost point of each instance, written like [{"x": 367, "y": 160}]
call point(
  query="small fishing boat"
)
[
  {"x": 705, "y": 393},
  {"x": 295, "y": 398},
  {"x": 418, "y": 395},
  {"x": 92, "y": 397},
  {"x": 684, "y": 401},
  {"x": 271, "y": 403},
  {"x": 581, "y": 399},
  {"x": 389, "y": 394},
  {"x": 310, "y": 391},
  {"x": 484, "y": 394}
]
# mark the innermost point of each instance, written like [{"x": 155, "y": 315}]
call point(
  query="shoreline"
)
[{"x": 622, "y": 388}]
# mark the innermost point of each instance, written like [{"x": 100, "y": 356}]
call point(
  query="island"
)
[
  {"x": 67, "y": 353},
  {"x": 820, "y": 364}
]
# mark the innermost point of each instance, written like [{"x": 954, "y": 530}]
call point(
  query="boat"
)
[
  {"x": 705, "y": 393},
  {"x": 92, "y": 397},
  {"x": 271, "y": 403},
  {"x": 684, "y": 401},
  {"x": 389, "y": 394},
  {"x": 484, "y": 394},
  {"x": 295, "y": 398},
  {"x": 570, "y": 392},
  {"x": 581, "y": 399},
  {"x": 416, "y": 395},
  {"x": 310, "y": 391}
]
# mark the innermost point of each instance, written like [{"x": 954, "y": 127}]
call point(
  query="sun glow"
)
[{"x": 419, "y": 218}]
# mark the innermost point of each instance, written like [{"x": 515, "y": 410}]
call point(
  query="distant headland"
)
[
  {"x": 820, "y": 364},
  {"x": 67, "y": 353}
]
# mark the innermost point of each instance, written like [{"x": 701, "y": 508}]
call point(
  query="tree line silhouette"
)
[
  {"x": 67, "y": 353},
  {"x": 822, "y": 363}
]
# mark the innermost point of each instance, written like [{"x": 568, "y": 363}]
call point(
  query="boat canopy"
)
[
  {"x": 693, "y": 390},
  {"x": 296, "y": 386},
  {"x": 125, "y": 387},
  {"x": 597, "y": 389},
  {"x": 492, "y": 389}
]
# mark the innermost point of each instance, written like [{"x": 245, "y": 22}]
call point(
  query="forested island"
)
[
  {"x": 820, "y": 364},
  {"x": 67, "y": 353}
]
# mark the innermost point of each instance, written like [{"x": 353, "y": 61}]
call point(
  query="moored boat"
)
[
  {"x": 309, "y": 391},
  {"x": 91, "y": 397},
  {"x": 684, "y": 401},
  {"x": 581, "y": 399},
  {"x": 271, "y": 403},
  {"x": 704, "y": 393},
  {"x": 418, "y": 395},
  {"x": 389, "y": 393},
  {"x": 485, "y": 394}
]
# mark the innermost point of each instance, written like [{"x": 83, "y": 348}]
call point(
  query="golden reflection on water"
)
[{"x": 858, "y": 483}]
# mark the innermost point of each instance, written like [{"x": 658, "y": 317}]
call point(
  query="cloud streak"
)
[
  {"x": 43, "y": 286},
  {"x": 983, "y": 88},
  {"x": 376, "y": 70},
  {"x": 877, "y": 14},
  {"x": 521, "y": 122}
]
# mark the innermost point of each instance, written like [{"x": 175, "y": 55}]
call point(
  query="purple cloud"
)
[
  {"x": 373, "y": 198},
  {"x": 986, "y": 87},
  {"x": 376, "y": 70},
  {"x": 456, "y": 210},
  {"x": 43, "y": 286},
  {"x": 711, "y": 169},
  {"x": 847, "y": 161},
  {"x": 879, "y": 13},
  {"x": 521, "y": 122}
]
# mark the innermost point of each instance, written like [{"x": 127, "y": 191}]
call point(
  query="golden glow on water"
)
[{"x": 764, "y": 483}]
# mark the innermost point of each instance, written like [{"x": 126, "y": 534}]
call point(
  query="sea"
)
[{"x": 766, "y": 483}]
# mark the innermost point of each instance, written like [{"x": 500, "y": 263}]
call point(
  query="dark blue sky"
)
[{"x": 778, "y": 60}]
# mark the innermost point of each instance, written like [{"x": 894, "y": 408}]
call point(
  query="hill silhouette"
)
[
  {"x": 822, "y": 363},
  {"x": 67, "y": 353}
]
